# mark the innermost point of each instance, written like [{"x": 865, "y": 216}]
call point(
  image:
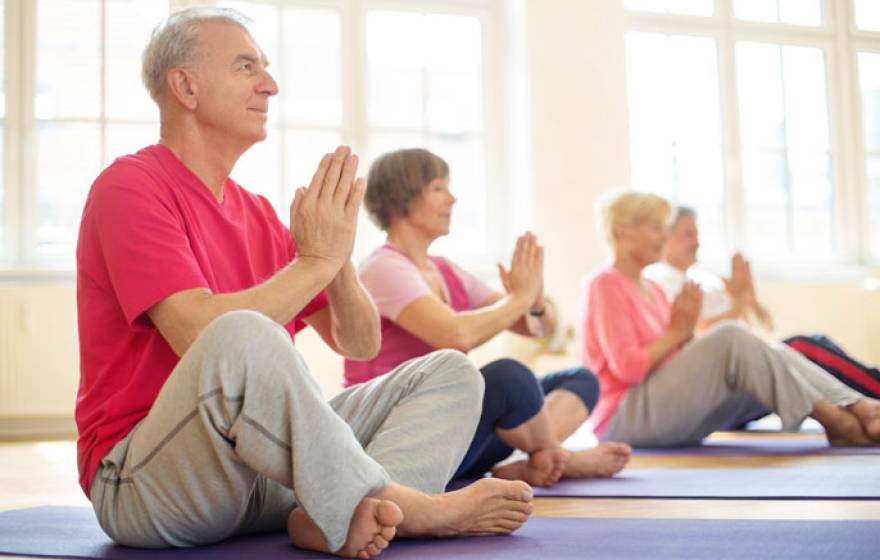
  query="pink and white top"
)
[
  {"x": 617, "y": 325},
  {"x": 394, "y": 281}
]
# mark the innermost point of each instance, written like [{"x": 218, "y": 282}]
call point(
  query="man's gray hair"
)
[
  {"x": 680, "y": 212},
  {"x": 175, "y": 41}
]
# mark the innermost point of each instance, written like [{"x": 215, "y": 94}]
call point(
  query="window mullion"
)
[
  {"x": 26, "y": 190},
  {"x": 734, "y": 194},
  {"x": 354, "y": 74}
]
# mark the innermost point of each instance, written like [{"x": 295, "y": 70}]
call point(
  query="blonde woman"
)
[{"x": 661, "y": 386}]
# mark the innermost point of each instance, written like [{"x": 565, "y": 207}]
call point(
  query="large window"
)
[
  {"x": 744, "y": 108},
  {"x": 374, "y": 75}
]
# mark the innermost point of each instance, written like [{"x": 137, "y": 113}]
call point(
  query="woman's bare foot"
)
[
  {"x": 543, "y": 468},
  {"x": 867, "y": 410},
  {"x": 373, "y": 525},
  {"x": 606, "y": 459},
  {"x": 489, "y": 506},
  {"x": 842, "y": 427}
]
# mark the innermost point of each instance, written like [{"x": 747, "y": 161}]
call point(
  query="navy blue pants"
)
[
  {"x": 823, "y": 352},
  {"x": 513, "y": 396}
]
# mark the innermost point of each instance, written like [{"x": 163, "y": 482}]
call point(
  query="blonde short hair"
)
[{"x": 631, "y": 208}]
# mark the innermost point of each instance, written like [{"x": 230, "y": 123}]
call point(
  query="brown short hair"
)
[{"x": 396, "y": 179}]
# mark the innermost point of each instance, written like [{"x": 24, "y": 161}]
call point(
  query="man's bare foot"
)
[
  {"x": 489, "y": 506},
  {"x": 543, "y": 468},
  {"x": 606, "y": 459},
  {"x": 842, "y": 427},
  {"x": 867, "y": 410},
  {"x": 373, "y": 525}
]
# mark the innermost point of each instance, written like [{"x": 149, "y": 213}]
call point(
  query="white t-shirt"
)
[{"x": 716, "y": 300}]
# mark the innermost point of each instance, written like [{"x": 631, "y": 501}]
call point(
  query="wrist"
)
[{"x": 322, "y": 266}]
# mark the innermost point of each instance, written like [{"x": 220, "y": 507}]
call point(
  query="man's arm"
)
[
  {"x": 181, "y": 317},
  {"x": 350, "y": 324},
  {"x": 323, "y": 220}
]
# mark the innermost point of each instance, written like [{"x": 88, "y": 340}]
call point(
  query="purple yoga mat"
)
[
  {"x": 73, "y": 533},
  {"x": 761, "y": 446},
  {"x": 800, "y": 482}
]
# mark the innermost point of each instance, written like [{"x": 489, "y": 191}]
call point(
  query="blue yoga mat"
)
[
  {"x": 73, "y": 533},
  {"x": 797, "y": 482}
]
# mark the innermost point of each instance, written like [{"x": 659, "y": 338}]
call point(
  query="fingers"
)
[
  {"x": 331, "y": 177},
  {"x": 314, "y": 189},
  {"x": 346, "y": 181},
  {"x": 356, "y": 198}
]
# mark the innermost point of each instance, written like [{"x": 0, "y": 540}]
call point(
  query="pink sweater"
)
[{"x": 617, "y": 325}]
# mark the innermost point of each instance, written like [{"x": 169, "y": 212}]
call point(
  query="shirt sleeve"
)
[
  {"x": 393, "y": 282},
  {"x": 143, "y": 242},
  {"x": 615, "y": 332},
  {"x": 478, "y": 292}
]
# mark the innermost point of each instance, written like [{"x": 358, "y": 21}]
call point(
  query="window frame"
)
[{"x": 840, "y": 41}]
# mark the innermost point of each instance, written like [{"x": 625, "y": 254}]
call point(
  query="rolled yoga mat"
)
[{"x": 73, "y": 533}]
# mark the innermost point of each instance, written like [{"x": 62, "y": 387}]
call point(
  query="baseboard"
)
[{"x": 37, "y": 427}]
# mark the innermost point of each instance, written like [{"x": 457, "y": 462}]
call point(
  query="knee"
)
[
  {"x": 730, "y": 333},
  {"x": 454, "y": 368},
  {"x": 513, "y": 394},
  {"x": 585, "y": 384}
]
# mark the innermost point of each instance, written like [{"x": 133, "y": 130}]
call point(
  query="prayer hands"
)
[
  {"x": 686, "y": 310},
  {"x": 526, "y": 275},
  {"x": 323, "y": 216}
]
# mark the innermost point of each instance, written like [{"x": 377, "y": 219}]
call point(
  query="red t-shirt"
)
[{"x": 151, "y": 228}]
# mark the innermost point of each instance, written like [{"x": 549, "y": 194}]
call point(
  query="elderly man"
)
[
  {"x": 198, "y": 418},
  {"x": 734, "y": 298}
]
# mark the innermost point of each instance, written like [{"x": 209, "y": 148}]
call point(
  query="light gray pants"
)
[
  {"x": 240, "y": 434},
  {"x": 721, "y": 379}
]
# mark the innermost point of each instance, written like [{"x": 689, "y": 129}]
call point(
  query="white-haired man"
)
[{"x": 198, "y": 418}]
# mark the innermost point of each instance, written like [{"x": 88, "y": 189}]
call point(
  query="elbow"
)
[
  {"x": 459, "y": 339},
  {"x": 367, "y": 351}
]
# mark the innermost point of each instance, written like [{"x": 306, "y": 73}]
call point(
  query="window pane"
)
[
  {"x": 868, "y": 14},
  {"x": 2, "y": 115},
  {"x": 801, "y": 12},
  {"x": 124, "y": 139},
  {"x": 469, "y": 234},
  {"x": 381, "y": 142},
  {"x": 128, "y": 27},
  {"x": 761, "y": 103},
  {"x": 395, "y": 59},
  {"x": 683, "y": 7},
  {"x": 673, "y": 93},
  {"x": 454, "y": 73},
  {"x": 303, "y": 151},
  {"x": 812, "y": 204},
  {"x": 63, "y": 184},
  {"x": 874, "y": 203},
  {"x": 68, "y": 59},
  {"x": 756, "y": 10},
  {"x": 806, "y": 107},
  {"x": 869, "y": 80},
  {"x": 312, "y": 87},
  {"x": 765, "y": 178},
  {"x": 259, "y": 169}
]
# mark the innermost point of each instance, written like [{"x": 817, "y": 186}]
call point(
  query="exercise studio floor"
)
[{"x": 43, "y": 473}]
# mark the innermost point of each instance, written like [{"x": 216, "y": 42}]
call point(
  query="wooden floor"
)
[{"x": 44, "y": 473}]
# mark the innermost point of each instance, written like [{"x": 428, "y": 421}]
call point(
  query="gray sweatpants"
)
[
  {"x": 240, "y": 434},
  {"x": 721, "y": 379}
]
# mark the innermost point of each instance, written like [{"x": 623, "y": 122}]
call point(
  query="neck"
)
[
  {"x": 676, "y": 264},
  {"x": 630, "y": 267},
  {"x": 413, "y": 242},
  {"x": 209, "y": 157}
]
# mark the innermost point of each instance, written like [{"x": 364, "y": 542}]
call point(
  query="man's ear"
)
[{"x": 182, "y": 86}]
